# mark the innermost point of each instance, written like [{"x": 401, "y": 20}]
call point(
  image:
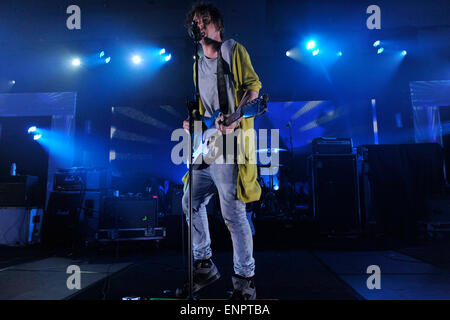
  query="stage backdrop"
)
[
  {"x": 305, "y": 120},
  {"x": 426, "y": 98},
  {"x": 140, "y": 136}
]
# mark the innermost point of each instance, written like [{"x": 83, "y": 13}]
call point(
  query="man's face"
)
[{"x": 207, "y": 27}]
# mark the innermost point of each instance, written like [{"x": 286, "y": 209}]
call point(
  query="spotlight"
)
[
  {"x": 276, "y": 187},
  {"x": 316, "y": 52},
  {"x": 34, "y": 131},
  {"x": 162, "y": 51},
  {"x": 311, "y": 45},
  {"x": 168, "y": 57},
  {"x": 380, "y": 50},
  {"x": 288, "y": 53},
  {"x": 376, "y": 43},
  {"x": 108, "y": 60},
  {"x": 102, "y": 54},
  {"x": 137, "y": 59},
  {"x": 404, "y": 53},
  {"x": 339, "y": 54},
  {"x": 12, "y": 82},
  {"x": 76, "y": 62}
]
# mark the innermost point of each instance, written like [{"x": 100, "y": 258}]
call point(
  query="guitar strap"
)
[
  {"x": 221, "y": 84},
  {"x": 222, "y": 91}
]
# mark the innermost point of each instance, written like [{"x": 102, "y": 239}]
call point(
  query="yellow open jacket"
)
[{"x": 245, "y": 78}]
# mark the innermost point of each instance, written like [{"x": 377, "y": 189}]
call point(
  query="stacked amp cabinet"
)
[
  {"x": 335, "y": 187},
  {"x": 74, "y": 207}
]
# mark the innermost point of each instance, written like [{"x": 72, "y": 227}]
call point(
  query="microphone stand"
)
[
  {"x": 290, "y": 138},
  {"x": 194, "y": 114},
  {"x": 291, "y": 164}
]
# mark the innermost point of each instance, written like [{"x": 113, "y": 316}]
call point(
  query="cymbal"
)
[{"x": 270, "y": 150}]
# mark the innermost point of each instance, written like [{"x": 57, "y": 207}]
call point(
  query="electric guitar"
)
[{"x": 207, "y": 148}]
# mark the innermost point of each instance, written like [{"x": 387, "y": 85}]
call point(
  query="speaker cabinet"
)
[
  {"x": 335, "y": 193},
  {"x": 19, "y": 191},
  {"x": 71, "y": 218},
  {"x": 398, "y": 180},
  {"x": 444, "y": 115}
]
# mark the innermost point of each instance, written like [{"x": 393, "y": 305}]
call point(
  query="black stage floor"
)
[
  {"x": 287, "y": 268},
  {"x": 280, "y": 275}
]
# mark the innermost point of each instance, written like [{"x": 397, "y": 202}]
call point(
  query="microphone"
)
[{"x": 196, "y": 34}]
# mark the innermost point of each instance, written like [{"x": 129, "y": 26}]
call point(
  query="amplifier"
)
[
  {"x": 19, "y": 191},
  {"x": 77, "y": 179},
  {"x": 129, "y": 213},
  {"x": 332, "y": 146},
  {"x": 176, "y": 200},
  {"x": 104, "y": 235}
]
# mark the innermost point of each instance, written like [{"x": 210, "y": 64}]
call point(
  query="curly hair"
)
[{"x": 202, "y": 8}]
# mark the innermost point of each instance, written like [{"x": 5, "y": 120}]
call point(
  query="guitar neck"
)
[
  {"x": 233, "y": 117},
  {"x": 250, "y": 109}
]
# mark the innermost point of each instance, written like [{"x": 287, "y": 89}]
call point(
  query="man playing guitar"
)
[{"x": 227, "y": 80}]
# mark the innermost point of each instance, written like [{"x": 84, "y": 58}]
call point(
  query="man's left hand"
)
[{"x": 248, "y": 96}]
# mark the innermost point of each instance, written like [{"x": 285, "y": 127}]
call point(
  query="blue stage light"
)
[
  {"x": 276, "y": 187},
  {"x": 102, "y": 54},
  {"x": 137, "y": 59},
  {"x": 404, "y": 53},
  {"x": 108, "y": 60},
  {"x": 32, "y": 129},
  {"x": 288, "y": 53},
  {"x": 37, "y": 136},
  {"x": 311, "y": 45},
  {"x": 316, "y": 52},
  {"x": 376, "y": 43},
  {"x": 162, "y": 51},
  {"x": 168, "y": 57},
  {"x": 380, "y": 50},
  {"x": 76, "y": 62},
  {"x": 339, "y": 54}
]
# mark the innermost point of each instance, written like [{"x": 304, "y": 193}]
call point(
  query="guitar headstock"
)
[
  {"x": 256, "y": 107},
  {"x": 265, "y": 98}
]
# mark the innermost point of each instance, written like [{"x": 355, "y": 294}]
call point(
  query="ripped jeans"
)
[{"x": 205, "y": 181}]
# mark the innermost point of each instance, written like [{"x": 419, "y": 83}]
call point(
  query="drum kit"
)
[{"x": 271, "y": 203}]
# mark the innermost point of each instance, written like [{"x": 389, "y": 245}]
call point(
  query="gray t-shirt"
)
[{"x": 207, "y": 69}]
